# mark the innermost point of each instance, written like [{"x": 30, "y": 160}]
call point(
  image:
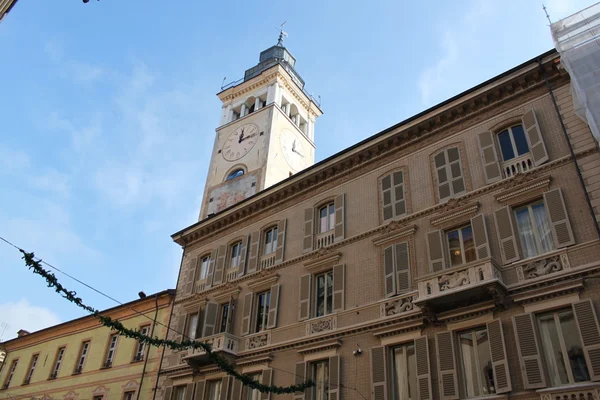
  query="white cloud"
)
[
  {"x": 78, "y": 71},
  {"x": 52, "y": 181},
  {"x": 23, "y": 315},
  {"x": 432, "y": 77},
  {"x": 13, "y": 160}
]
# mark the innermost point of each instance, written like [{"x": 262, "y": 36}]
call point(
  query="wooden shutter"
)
[
  {"x": 199, "y": 393},
  {"x": 447, "y": 376},
  {"x": 220, "y": 265},
  {"x": 589, "y": 331},
  {"x": 191, "y": 277},
  {"x": 534, "y": 135},
  {"x": 279, "y": 252},
  {"x": 435, "y": 247},
  {"x": 402, "y": 263},
  {"x": 189, "y": 391},
  {"x": 393, "y": 196},
  {"x": 389, "y": 272},
  {"x": 307, "y": 242},
  {"x": 423, "y": 369},
  {"x": 236, "y": 390},
  {"x": 254, "y": 248},
  {"x": 243, "y": 254},
  {"x": 559, "y": 218},
  {"x": 334, "y": 378},
  {"x": 265, "y": 379},
  {"x": 167, "y": 393},
  {"x": 210, "y": 319},
  {"x": 489, "y": 157},
  {"x": 225, "y": 384},
  {"x": 304, "y": 303},
  {"x": 529, "y": 352},
  {"x": 455, "y": 170},
  {"x": 211, "y": 268},
  {"x": 180, "y": 327},
  {"x": 482, "y": 241},
  {"x": 339, "y": 283},
  {"x": 387, "y": 211},
  {"x": 378, "y": 373},
  {"x": 340, "y": 217},
  {"x": 247, "y": 313},
  {"x": 442, "y": 178},
  {"x": 499, "y": 358},
  {"x": 300, "y": 378},
  {"x": 273, "y": 306},
  {"x": 506, "y": 234}
]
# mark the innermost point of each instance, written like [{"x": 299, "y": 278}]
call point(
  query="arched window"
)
[
  {"x": 513, "y": 142},
  {"x": 235, "y": 173},
  {"x": 271, "y": 240}
]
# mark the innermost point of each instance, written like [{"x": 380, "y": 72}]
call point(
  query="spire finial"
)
[
  {"x": 282, "y": 34},
  {"x": 547, "y": 15}
]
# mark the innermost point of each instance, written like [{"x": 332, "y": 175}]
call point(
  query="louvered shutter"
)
[
  {"x": 455, "y": 171},
  {"x": 506, "y": 234},
  {"x": 307, "y": 242},
  {"x": 435, "y": 247},
  {"x": 448, "y": 381},
  {"x": 247, "y": 313},
  {"x": 423, "y": 369},
  {"x": 299, "y": 379},
  {"x": 389, "y": 272},
  {"x": 189, "y": 391},
  {"x": 253, "y": 255},
  {"x": 167, "y": 393},
  {"x": 489, "y": 157},
  {"x": 386, "y": 198},
  {"x": 399, "y": 195},
  {"x": 210, "y": 319},
  {"x": 534, "y": 136},
  {"x": 265, "y": 379},
  {"x": 243, "y": 255},
  {"x": 273, "y": 306},
  {"x": 499, "y": 358},
  {"x": 480, "y": 236},
  {"x": 443, "y": 181},
  {"x": 339, "y": 283},
  {"x": 211, "y": 268},
  {"x": 378, "y": 373},
  {"x": 236, "y": 390},
  {"x": 334, "y": 378},
  {"x": 225, "y": 385},
  {"x": 340, "y": 217},
  {"x": 279, "y": 252},
  {"x": 191, "y": 277},
  {"x": 559, "y": 218},
  {"x": 529, "y": 352},
  {"x": 220, "y": 266},
  {"x": 180, "y": 327},
  {"x": 199, "y": 393},
  {"x": 393, "y": 196},
  {"x": 304, "y": 291},
  {"x": 589, "y": 331},
  {"x": 402, "y": 259}
]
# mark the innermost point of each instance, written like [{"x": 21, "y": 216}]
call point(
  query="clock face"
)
[
  {"x": 293, "y": 151},
  {"x": 240, "y": 142}
]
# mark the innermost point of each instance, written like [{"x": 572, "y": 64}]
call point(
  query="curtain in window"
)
[
  {"x": 543, "y": 228},
  {"x": 552, "y": 351},
  {"x": 401, "y": 362},
  {"x": 526, "y": 233}
]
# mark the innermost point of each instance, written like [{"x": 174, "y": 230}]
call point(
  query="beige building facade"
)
[
  {"x": 453, "y": 255},
  {"x": 82, "y": 359}
]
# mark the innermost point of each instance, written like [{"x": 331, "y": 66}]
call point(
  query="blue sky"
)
[{"x": 108, "y": 112}]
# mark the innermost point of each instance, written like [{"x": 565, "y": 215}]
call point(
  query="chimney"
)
[{"x": 22, "y": 332}]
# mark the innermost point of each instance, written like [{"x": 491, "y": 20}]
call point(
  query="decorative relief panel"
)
[
  {"x": 398, "y": 305},
  {"x": 321, "y": 325},
  {"x": 573, "y": 394},
  {"x": 543, "y": 267},
  {"x": 259, "y": 340}
]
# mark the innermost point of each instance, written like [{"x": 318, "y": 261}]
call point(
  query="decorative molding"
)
[
  {"x": 398, "y": 305},
  {"x": 195, "y": 306},
  {"x": 399, "y": 328},
  {"x": 320, "y": 325},
  {"x": 561, "y": 288},
  {"x": 523, "y": 187},
  {"x": 393, "y": 231},
  {"x": 227, "y": 295},
  {"x": 259, "y": 340},
  {"x": 324, "y": 257},
  {"x": 543, "y": 267},
  {"x": 264, "y": 283},
  {"x": 454, "y": 211},
  {"x": 260, "y": 359},
  {"x": 468, "y": 312},
  {"x": 320, "y": 346}
]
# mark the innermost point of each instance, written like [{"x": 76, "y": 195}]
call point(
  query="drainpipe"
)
[
  {"x": 147, "y": 355},
  {"x": 564, "y": 129},
  {"x": 169, "y": 324}
]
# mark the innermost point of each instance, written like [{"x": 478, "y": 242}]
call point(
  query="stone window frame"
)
[
  {"x": 146, "y": 347},
  {"x": 407, "y": 193},
  {"x": 31, "y": 368},
  {"x": 107, "y": 350},
  {"x": 62, "y": 360},
  {"x": 464, "y": 163},
  {"x": 313, "y": 239},
  {"x": 14, "y": 364},
  {"x": 75, "y": 367},
  {"x": 232, "y": 169}
]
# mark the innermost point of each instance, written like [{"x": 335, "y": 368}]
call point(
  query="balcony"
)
[
  {"x": 325, "y": 239},
  {"x": 517, "y": 165},
  {"x": 224, "y": 343},
  {"x": 576, "y": 391},
  {"x": 460, "y": 286},
  {"x": 267, "y": 261},
  {"x": 232, "y": 274}
]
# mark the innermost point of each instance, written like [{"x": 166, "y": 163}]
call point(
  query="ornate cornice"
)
[
  {"x": 454, "y": 210},
  {"x": 393, "y": 231},
  {"x": 522, "y": 189},
  {"x": 320, "y": 346},
  {"x": 322, "y": 257},
  {"x": 263, "y": 283}
]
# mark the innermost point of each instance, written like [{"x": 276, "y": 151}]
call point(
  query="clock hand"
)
[
  {"x": 241, "y": 137},
  {"x": 294, "y": 146},
  {"x": 248, "y": 137}
]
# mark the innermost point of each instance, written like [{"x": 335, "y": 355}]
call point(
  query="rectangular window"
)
[
  {"x": 262, "y": 310},
  {"x": 254, "y": 394},
  {"x": 324, "y": 294},
  {"x": 11, "y": 373},
  {"x": 85, "y": 346},
  {"x": 236, "y": 255},
  {"x": 513, "y": 142},
  {"x": 223, "y": 318},
  {"x": 271, "y": 240},
  {"x": 141, "y": 347},
  {"x": 192, "y": 325},
  {"x": 178, "y": 393},
  {"x": 326, "y": 218},
  {"x": 112, "y": 348},
  {"x": 404, "y": 372},
  {"x": 128, "y": 395},
  {"x": 534, "y": 229},
  {"x": 32, "y": 365},
  {"x": 320, "y": 375},
  {"x": 214, "y": 390},
  {"x": 476, "y": 362},
  {"x": 450, "y": 179},
  {"x": 562, "y": 348},
  {"x": 461, "y": 245},
  {"x": 204, "y": 267},
  {"x": 58, "y": 362},
  {"x": 98, "y": 397}
]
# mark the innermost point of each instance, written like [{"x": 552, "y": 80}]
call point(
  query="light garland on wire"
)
[{"x": 223, "y": 364}]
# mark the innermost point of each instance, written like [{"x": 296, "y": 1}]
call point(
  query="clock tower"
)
[{"x": 266, "y": 131}]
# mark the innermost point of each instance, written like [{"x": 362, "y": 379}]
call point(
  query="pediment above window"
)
[
  {"x": 322, "y": 259},
  {"x": 523, "y": 188},
  {"x": 222, "y": 297},
  {"x": 454, "y": 212},
  {"x": 263, "y": 284},
  {"x": 393, "y": 231}
]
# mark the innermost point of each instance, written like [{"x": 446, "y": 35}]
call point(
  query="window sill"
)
[
  {"x": 139, "y": 361},
  {"x": 490, "y": 397},
  {"x": 570, "y": 387}
]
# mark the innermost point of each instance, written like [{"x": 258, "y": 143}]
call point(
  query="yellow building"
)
[{"x": 82, "y": 359}]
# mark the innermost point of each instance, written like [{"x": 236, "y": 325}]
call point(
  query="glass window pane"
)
[
  {"x": 469, "y": 361},
  {"x": 555, "y": 361},
  {"x": 224, "y": 317},
  {"x": 321, "y": 378},
  {"x": 215, "y": 390},
  {"x": 576, "y": 358},
  {"x": 254, "y": 394},
  {"x": 442, "y": 177},
  {"x": 520, "y": 140},
  {"x": 329, "y": 278},
  {"x": 274, "y": 241},
  {"x": 204, "y": 267},
  {"x": 192, "y": 324},
  {"x": 454, "y": 247},
  {"x": 526, "y": 235},
  {"x": 320, "y": 308},
  {"x": 468, "y": 244},
  {"x": 484, "y": 357},
  {"x": 405, "y": 374},
  {"x": 543, "y": 227},
  {"x": 331, "y": 216},
  {"x": 323, "y": 220},
  {"x": 506, "y": 146}
]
